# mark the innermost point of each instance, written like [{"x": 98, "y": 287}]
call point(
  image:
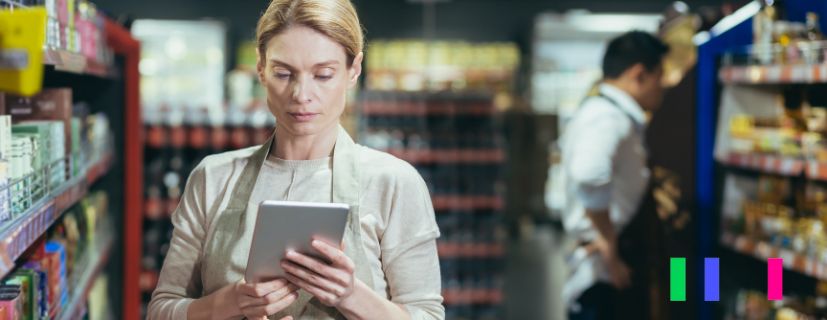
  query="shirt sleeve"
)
[
  {"x": 409, "y": 252},
  {"x": 179, "y": 282},
  {"x": 591, "y": 160}
]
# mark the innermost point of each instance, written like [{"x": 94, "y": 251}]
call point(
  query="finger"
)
[
  {"x": 334, "y": 254},
  {"x": 332, "y": 273},
  {"x": 310, "y": 263},
  {"x": 274, "y": 307},
  {"x": 314, "y": 279},
  {"x": 287, "y": 318},
  {"x": 263, "y": 288},
  {"x": 250, "y": 302},
  {"x": 321, "y": 294}
]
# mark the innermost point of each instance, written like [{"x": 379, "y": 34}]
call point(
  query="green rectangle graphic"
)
[{"x": 677, "y": 279}]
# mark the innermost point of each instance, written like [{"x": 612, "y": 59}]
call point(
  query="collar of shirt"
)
[{"x": 625, "y": 102}]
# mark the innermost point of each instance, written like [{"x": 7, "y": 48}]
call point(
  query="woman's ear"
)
[
  {"x": 260, "y": 63},
  {"x": 356, "y": 69}
]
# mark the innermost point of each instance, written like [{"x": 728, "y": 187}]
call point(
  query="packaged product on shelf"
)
[
  {"x": 21, "y": 159},
  {"x": 51, "y": 145},
  {"x": 11, "y": 302},
  {"x": 50, "y": 104},
  {"x": 41, "y": 279},
  {"x": 99, "y": 299},
  {"x": 5, "y": 196},
  {"x": 56, "y": 148},
  {"x": 77, "y": 155},
  {"x": 26, "y": 279},
  {"x": 5, "y": 136},
  {"x": 58, "y": 289}
]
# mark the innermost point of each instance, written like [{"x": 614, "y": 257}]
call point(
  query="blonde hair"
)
[{"x": 335, "y": 19}]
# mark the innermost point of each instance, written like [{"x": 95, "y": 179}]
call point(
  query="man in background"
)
[{"x": 605, "y": 163}]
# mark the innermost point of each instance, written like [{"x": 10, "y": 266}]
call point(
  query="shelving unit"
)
[
  {"x": 762, "y": 250},
  {"x": 20, "y": 234},
  {"x": 93, "y": 263},
  {"x": 731, "y": 79},
  {"x": 107, "y": 86},
  {"x": 773, "y": 74},
  {"x": 781, "y": 165},
  {"x": 454, "y": 141},
  {"x": 448, "y": 156},
  {"x": 76, "y": 63}
]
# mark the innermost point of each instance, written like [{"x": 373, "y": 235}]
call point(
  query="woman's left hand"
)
[{"x": 331, "y": 283}]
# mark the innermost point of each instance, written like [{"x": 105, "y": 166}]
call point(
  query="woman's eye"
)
[
  {"x": 283, "y": 75},
  {"x": 324, "y": 76}
]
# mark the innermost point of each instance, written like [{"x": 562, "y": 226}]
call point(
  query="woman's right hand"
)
[{"x": 256, "y": 301}]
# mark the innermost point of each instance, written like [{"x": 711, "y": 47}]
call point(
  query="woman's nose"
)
[{"x": 301, "y": 91}]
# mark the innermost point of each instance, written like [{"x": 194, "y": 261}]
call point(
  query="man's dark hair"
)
[{"x": 632, "y": 48}]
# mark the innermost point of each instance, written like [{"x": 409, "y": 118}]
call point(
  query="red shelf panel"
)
[
  {"x": 452, "y": 250},
  {"x": 481, "y": 156},
  {"x": 387, "y": 108},
  {"x": 472, "y": 296},
  {"x": 467, "y": 202}
]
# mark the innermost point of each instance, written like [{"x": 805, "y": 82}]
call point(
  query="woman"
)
[{"x": 310, "y": 53}]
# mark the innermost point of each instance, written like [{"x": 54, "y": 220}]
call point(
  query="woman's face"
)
[{"x": 306, "y": 77}]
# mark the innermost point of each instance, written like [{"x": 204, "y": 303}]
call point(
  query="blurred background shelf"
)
[{"x": 762, "y": 250}]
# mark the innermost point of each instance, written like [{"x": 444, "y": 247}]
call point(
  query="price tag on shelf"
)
[
  {"x": 727, "y": 239},
  {"x": 788, "y": 166},
  {"x": 802, "y": 73},
  {"x": 763, "y": 250},
  {"x": 741, "y": 243},
  {"x": 769, "y": 164},
  {"x": 773, "y": 74},
  {"x": 789, "y": 258}
]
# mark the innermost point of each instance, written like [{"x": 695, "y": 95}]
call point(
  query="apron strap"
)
[{"x": 247, "y": 180}]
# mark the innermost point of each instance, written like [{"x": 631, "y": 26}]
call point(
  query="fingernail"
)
[
  {"x": 291, "y": 253},
  {"x": 317, "y": 243}
]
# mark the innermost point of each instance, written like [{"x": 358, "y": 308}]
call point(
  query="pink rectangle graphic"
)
[{"x": 775, "y": 279}]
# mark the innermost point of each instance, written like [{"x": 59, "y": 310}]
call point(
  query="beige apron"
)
[{"x": 225, "y": 254}]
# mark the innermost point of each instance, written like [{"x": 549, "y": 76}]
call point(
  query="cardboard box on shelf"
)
[{"x": 49, "y": 104}]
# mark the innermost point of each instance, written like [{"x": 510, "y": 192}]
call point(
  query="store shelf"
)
[
  {"x": 472, "y": 296},
  {"x": 94, "y": 260},
  {"x": 774, "y": 74},
  {"x": 447, "y": 156},
  {"x": 762, "y": 250},
  {"x": 467, "y": 202},
  {"x": 472, "y": 250},
  {"x": 391, "y": 109},
  {"x": 148, "y": 280},
  {"x": 816, "y": 170},
  {"x": 787, "y": 166},
  {"x": 18, "y": 235},
  {"x": 75, "y": 63}
]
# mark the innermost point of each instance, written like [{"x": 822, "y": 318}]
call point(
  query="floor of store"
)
[{"x": 540, "y": 253}]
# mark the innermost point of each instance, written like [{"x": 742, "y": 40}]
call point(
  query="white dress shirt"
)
[{"x": 604, "y": 162}]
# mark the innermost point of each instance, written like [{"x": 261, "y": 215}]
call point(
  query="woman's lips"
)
[{"x": 303, "y": 116}]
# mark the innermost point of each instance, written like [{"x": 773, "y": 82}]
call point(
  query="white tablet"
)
[{"x": 283, "y": 225}]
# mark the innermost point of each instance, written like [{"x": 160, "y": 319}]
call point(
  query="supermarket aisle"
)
[{"x": 535, "y": 273}]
